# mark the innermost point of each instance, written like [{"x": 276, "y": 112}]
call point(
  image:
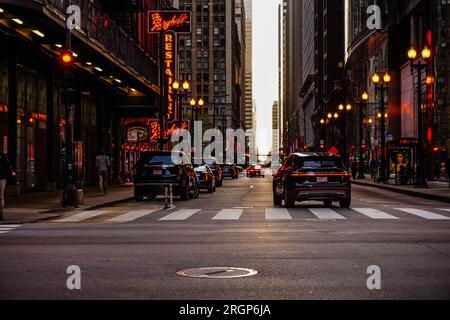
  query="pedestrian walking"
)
[
  {"x": 354, "y": 169},
  {"x": 103, "y": 163},
  {"x": 447, "y": 170},
  {"x": 6, "y": 171}
]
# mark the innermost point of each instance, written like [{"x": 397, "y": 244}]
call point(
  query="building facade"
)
[
  {"x": 404, "y": 24},
  {"x": 248, "y": 110},
  {"x": 115, "y": 74},
  {"x": 211, "y": 60}
]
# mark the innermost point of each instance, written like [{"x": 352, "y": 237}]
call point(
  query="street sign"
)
[{"x": 175, "y": 21}]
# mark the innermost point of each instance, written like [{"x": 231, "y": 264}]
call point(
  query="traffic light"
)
[{"x": 67, "y": 59}]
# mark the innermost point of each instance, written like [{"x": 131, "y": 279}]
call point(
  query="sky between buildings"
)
[{"x": 265, "y": 67}]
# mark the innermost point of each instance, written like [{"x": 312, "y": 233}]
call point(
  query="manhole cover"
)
[{"x": 217, "y": 273}]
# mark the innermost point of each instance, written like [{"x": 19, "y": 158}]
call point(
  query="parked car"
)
[
  {"x": 230, "y": 171},
  {"x": 156, "y": 170},
  {"x": 255, "y": 170},
  {"x": 215, "y": 168},
  {"x": 312, "y": 176},
  {"x": 240, "y": 169},
  {"x": 206, "y": 178}
]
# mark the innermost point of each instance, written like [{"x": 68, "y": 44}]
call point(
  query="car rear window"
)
[
  {"x": 200, "y": 169},
  {"x": 156, "y": 159},
  {"x": 318, "y": 163}
]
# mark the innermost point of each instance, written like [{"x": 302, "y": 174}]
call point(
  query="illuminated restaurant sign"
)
[
  {"x": 169, "y": 72},
  {"x": 176, "y": 21},
  {"x": 155, "y": 129}
]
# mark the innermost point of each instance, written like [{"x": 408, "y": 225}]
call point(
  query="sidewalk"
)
[
  {"x": 40, "y": 206},
  {"x": 437, "y": 190}
]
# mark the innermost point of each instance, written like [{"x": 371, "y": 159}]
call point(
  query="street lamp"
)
[
  {"x": 362, "y": 104},
  {"x": 420, "y": 65},
  {"x": 382, "y": 87},
  {"x": 181, "y": 92}
]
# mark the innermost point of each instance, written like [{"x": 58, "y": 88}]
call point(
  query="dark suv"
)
[
  {"x": 230, "y": 171},
  {"x": 312, "y": 176},
  {"x": 215, "y": 168},
  {"x": 156, "y": 170}
]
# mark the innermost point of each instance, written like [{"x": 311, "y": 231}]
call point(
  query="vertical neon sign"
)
[{"x": 169, "y": 72}]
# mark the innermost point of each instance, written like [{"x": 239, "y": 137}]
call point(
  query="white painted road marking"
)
[
  {"x": 133, "y": 215},
  {"x": 424, "y": 214},
  {"x": 326, "y": 214},
  {"x": 229, "y": 214},
  {"x": 180, "y": 215},
  {"x": 5, "y": 228},
  {"x": 277, "y": 214},
  {"x": 82, "y": 216},
  {"x": 375, "y": 214}
]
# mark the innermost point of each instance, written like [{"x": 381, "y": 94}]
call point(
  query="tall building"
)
[
  {"x": 275, "y": 125},
  {"x": 282, "y": 80},
  {"x": 311, "y": 69},
  {"x": 293, "y": 116},
  {"x": 248, "y": 111},
  {"x": 241, "y": 24},
  {"x": 211, "y": 59}
]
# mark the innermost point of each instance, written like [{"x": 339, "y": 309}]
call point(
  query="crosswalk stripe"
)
[
  {"x": 9, "y": 226},
  {"x": 229, "y": 214},
  {"x": 180, "y": 215},
  {"x": 446, "y": 210},
  {"x": 133, "y": 215},
  {"x": 277, "y": 214},
  {"x": 375, "y": 214},
  {"x": 83, "y": 216},
  {"x": 424, "y": 214},
  {"x": 2, "y": 232},
  {"x": 326, "y": 214}
]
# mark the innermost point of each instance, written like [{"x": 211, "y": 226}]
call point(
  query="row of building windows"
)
[
  {"x": 203, "y": 42},
  {"x": 187, "y": 54}
]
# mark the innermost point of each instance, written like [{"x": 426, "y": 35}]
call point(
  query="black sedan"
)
[
  {"x": 206, "y": 178},
  {"x": 312, "y": 176}
]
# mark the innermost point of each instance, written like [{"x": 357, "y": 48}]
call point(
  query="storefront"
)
[
  {"x": 402, "y": 160},
  {"x": 141, "y": 135}
]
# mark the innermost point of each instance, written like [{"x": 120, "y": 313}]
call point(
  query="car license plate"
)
[
  {"x": 322, "y": 179},
  {"x": 157, "y": 172}
]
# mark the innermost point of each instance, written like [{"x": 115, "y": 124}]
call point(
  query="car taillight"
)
[{"x": 206, "y": 177}]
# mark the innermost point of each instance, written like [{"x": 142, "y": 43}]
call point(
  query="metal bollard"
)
[
  {"x": 166, "y": 197},
  {"x": 171, "y": 195}
]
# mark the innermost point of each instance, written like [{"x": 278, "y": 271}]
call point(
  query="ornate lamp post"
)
[
  {"x": 382, "y": 86},
  {"x": 419, "y": 65},
  {"x": 362, "y": 105},
  {"x": 181, "y": 92}
]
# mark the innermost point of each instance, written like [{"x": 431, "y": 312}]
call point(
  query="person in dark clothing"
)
[
  {"x": 447, "y": 170},
  {"x": 354, "y": 169},
  {"x": 6, "y": 171}
]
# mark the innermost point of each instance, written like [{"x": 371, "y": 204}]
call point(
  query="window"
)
[
  {"x": 199, "y": 31},
  {"x": 188, "y": 42}
]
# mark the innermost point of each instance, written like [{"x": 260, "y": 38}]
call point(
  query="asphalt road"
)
[{"x": 302, "y": 253}]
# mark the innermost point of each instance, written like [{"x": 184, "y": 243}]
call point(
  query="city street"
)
[{"x": 133, "y": 251}]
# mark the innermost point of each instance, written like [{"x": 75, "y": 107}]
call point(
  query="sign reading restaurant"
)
[{"x": 175, "y": 21}]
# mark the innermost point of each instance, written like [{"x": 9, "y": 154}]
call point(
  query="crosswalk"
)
[
  {"x": 121, "y": 215},
  {"x": 6, "y": 228}
]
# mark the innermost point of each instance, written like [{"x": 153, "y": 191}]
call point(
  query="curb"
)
[
  {"x": 109, "y": 204},
  {"x": 404, "y": 191},
  {"x": 29, "y": 221}
]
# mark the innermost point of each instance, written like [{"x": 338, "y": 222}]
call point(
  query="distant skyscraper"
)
[{"x": 248, "y": 64}]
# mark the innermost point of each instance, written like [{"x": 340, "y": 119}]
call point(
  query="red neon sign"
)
[
  {"x": 169, "y": 70},
  {"x": 176, "y": 21}
]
